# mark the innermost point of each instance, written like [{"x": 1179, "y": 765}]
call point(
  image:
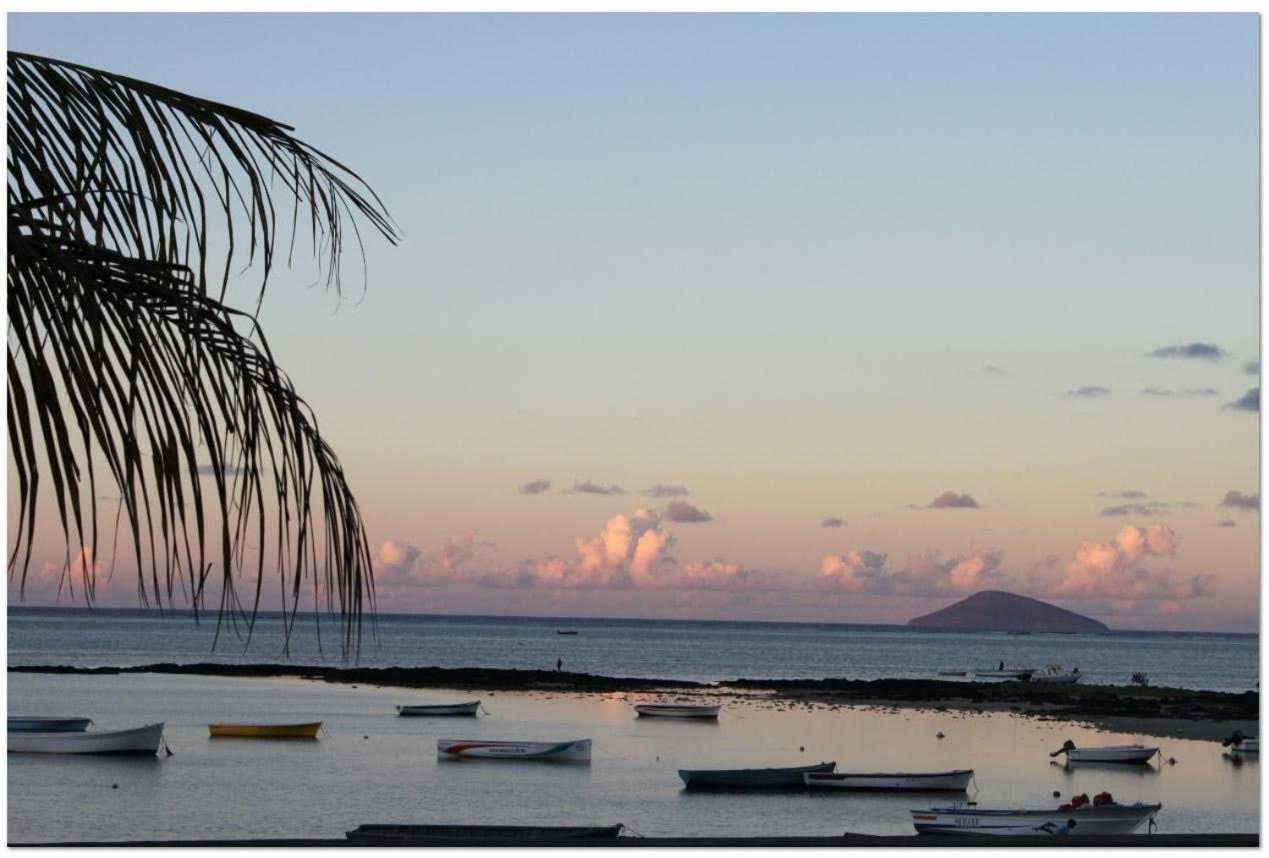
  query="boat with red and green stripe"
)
[{"x": 571, "y": 750}]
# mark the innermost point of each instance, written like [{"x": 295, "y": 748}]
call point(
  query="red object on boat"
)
[
  {"x": 1066, "y": 806},
  {"x": 1079, "y": 800},
  {"x": 1103, "y": 798}
]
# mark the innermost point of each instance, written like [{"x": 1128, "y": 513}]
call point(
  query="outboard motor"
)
[{"x": 1068, "y": 745}]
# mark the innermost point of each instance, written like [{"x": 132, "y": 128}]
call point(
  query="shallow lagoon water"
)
[{"x": 222, "y": 788}]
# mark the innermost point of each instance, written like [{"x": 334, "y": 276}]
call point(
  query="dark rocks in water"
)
[{"x": 997, "y": 611}]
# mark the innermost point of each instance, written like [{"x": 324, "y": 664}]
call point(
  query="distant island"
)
[{"x": 997, "y": 611}]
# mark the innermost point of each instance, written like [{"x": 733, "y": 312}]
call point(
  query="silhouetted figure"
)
[
  {"x": 1002, "y": 666},
  {"x": 559, "y": 664}
]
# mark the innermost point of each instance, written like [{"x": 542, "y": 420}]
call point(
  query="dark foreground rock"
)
[{"x": 493, "y": 679}]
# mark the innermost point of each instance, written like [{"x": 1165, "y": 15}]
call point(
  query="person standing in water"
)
[{"x": 559, "y": 664}]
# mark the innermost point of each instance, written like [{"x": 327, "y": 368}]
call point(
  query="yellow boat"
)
[{"x": 266, "y": 731}]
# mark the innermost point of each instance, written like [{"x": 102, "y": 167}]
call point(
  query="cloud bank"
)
[
  {"x": 1191, "y": 351},
  {"x": 952, "y": 500},
  {"x": 1249, "y": 401},
  {"x": 1238, "y": 500},
  {"x": 664, "y": 490},
  {"x": 586, "y": 487},
  {"x": 682, "y": 512}
]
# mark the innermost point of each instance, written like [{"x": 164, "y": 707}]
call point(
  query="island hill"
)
[{"x": 997, "y": 611}]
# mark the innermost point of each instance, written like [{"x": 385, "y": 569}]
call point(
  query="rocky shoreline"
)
[{"x": 1172, "y": 712}]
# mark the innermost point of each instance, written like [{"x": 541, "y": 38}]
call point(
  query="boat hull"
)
[
  {"x": 1107, "y": 819},
  {"x": 39, "y": 724},
  {"x": 140, "y": 741},
  {"x": 953, "y": 781},
  {"x": 265, "y": 731},
  {"x": 1246, "y": 746},
  {"x": 1117, "y": 754},
  {"x": 1022, "y": 675},
  {"x": 573, "y": 750},
  {"x": 776, "y": 778},
  {"x": 440, "y": 710},
  {"x": 662, "y": 710},
  {"x": 517, "y": 834}
]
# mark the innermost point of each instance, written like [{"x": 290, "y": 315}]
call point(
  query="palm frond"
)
[{"x": 125, "y": 363}]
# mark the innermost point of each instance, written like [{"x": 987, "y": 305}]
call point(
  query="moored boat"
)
[
  {"x": 956, "y": 780},
  {"x": 750, "y": 778},
  {"x": 138, "y": 740},
  {"x": 1056, "y": 676},
  {"x": 999, "y": 673},
  {"x": 573, "y": 750},
  {"x": 1240, "y": 744},
  {"x": 677, "y": 710},
  {"x": 518, "y": 834},
  {"x": 46, "y": 724},
  {"x": 1107, "y": 753},
  {"x": 306, "y": 730},
  {"x": 1108, "y": 818},
  {"x": 439, "y": 709}
]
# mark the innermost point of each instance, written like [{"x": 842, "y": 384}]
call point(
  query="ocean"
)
[
  {"x": 370, "y": 766},
  {"x": 691, "y": 650}
]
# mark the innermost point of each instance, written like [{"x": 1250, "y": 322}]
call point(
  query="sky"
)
[{"x": 777, "y": 317}]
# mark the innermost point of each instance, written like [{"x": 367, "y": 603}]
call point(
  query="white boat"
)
[
  {"x": 993, "y": 673},
  {"x": 1056, "y": 676},
  {"x": 677, "y": 710},
  {"x": 439, "y": 709},
  {"x": 1107, "y": 819},
  {"x": 953, "y": 781},
  {"x": 575, "y": 750},
  {"x": 1240, "y": 744},
  {"x": 47, "y": 724},
  {"x": 1107, "y": 753},
  {"x": 138, "y": 740}
]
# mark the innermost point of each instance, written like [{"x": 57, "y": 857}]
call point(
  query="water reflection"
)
[
  {"x": 1138, "y": 769},
  {"x": 322, "y": 789}
]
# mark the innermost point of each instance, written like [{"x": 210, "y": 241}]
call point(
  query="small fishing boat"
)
[
  {"x": 566, "y": 631},
  {"x": 1104, "y": 819},
  {"x": 994, "y": 673},
  {"x": 45, "y": 724},
  {"x": 138, "y": 740},
  {"x": 1240, "y": 744},
  {"x": 574, "y": 750},
  {"x": 676, "y": 710},
  {"x": 265, "y": 731},
  {"x": 750, "y": 778},
  {"x": 1054, "y": 675},
  {"x": 517, "y": 834},
  {"x": 1106, "y": 754},
  {"x": 449, "y": 710},
  {"x": 953, "y": 781}
]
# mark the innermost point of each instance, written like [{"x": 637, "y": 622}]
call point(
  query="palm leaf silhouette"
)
[{"x": 130, "y": 207}]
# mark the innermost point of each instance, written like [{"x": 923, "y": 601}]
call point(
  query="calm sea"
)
[
  {"x": 703, "y": 651},
  {"x": 371, "y": 766}
]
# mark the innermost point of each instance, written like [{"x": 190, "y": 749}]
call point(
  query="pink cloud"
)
[
  {"x": 632, "y": 551},
  {"x": 1116, "y": 569},
  {"x": 401, "y": 564},
  {"x": 927, "y": 573}
]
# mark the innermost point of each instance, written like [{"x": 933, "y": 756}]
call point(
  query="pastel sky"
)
[{"x": 857, "y": 313}]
